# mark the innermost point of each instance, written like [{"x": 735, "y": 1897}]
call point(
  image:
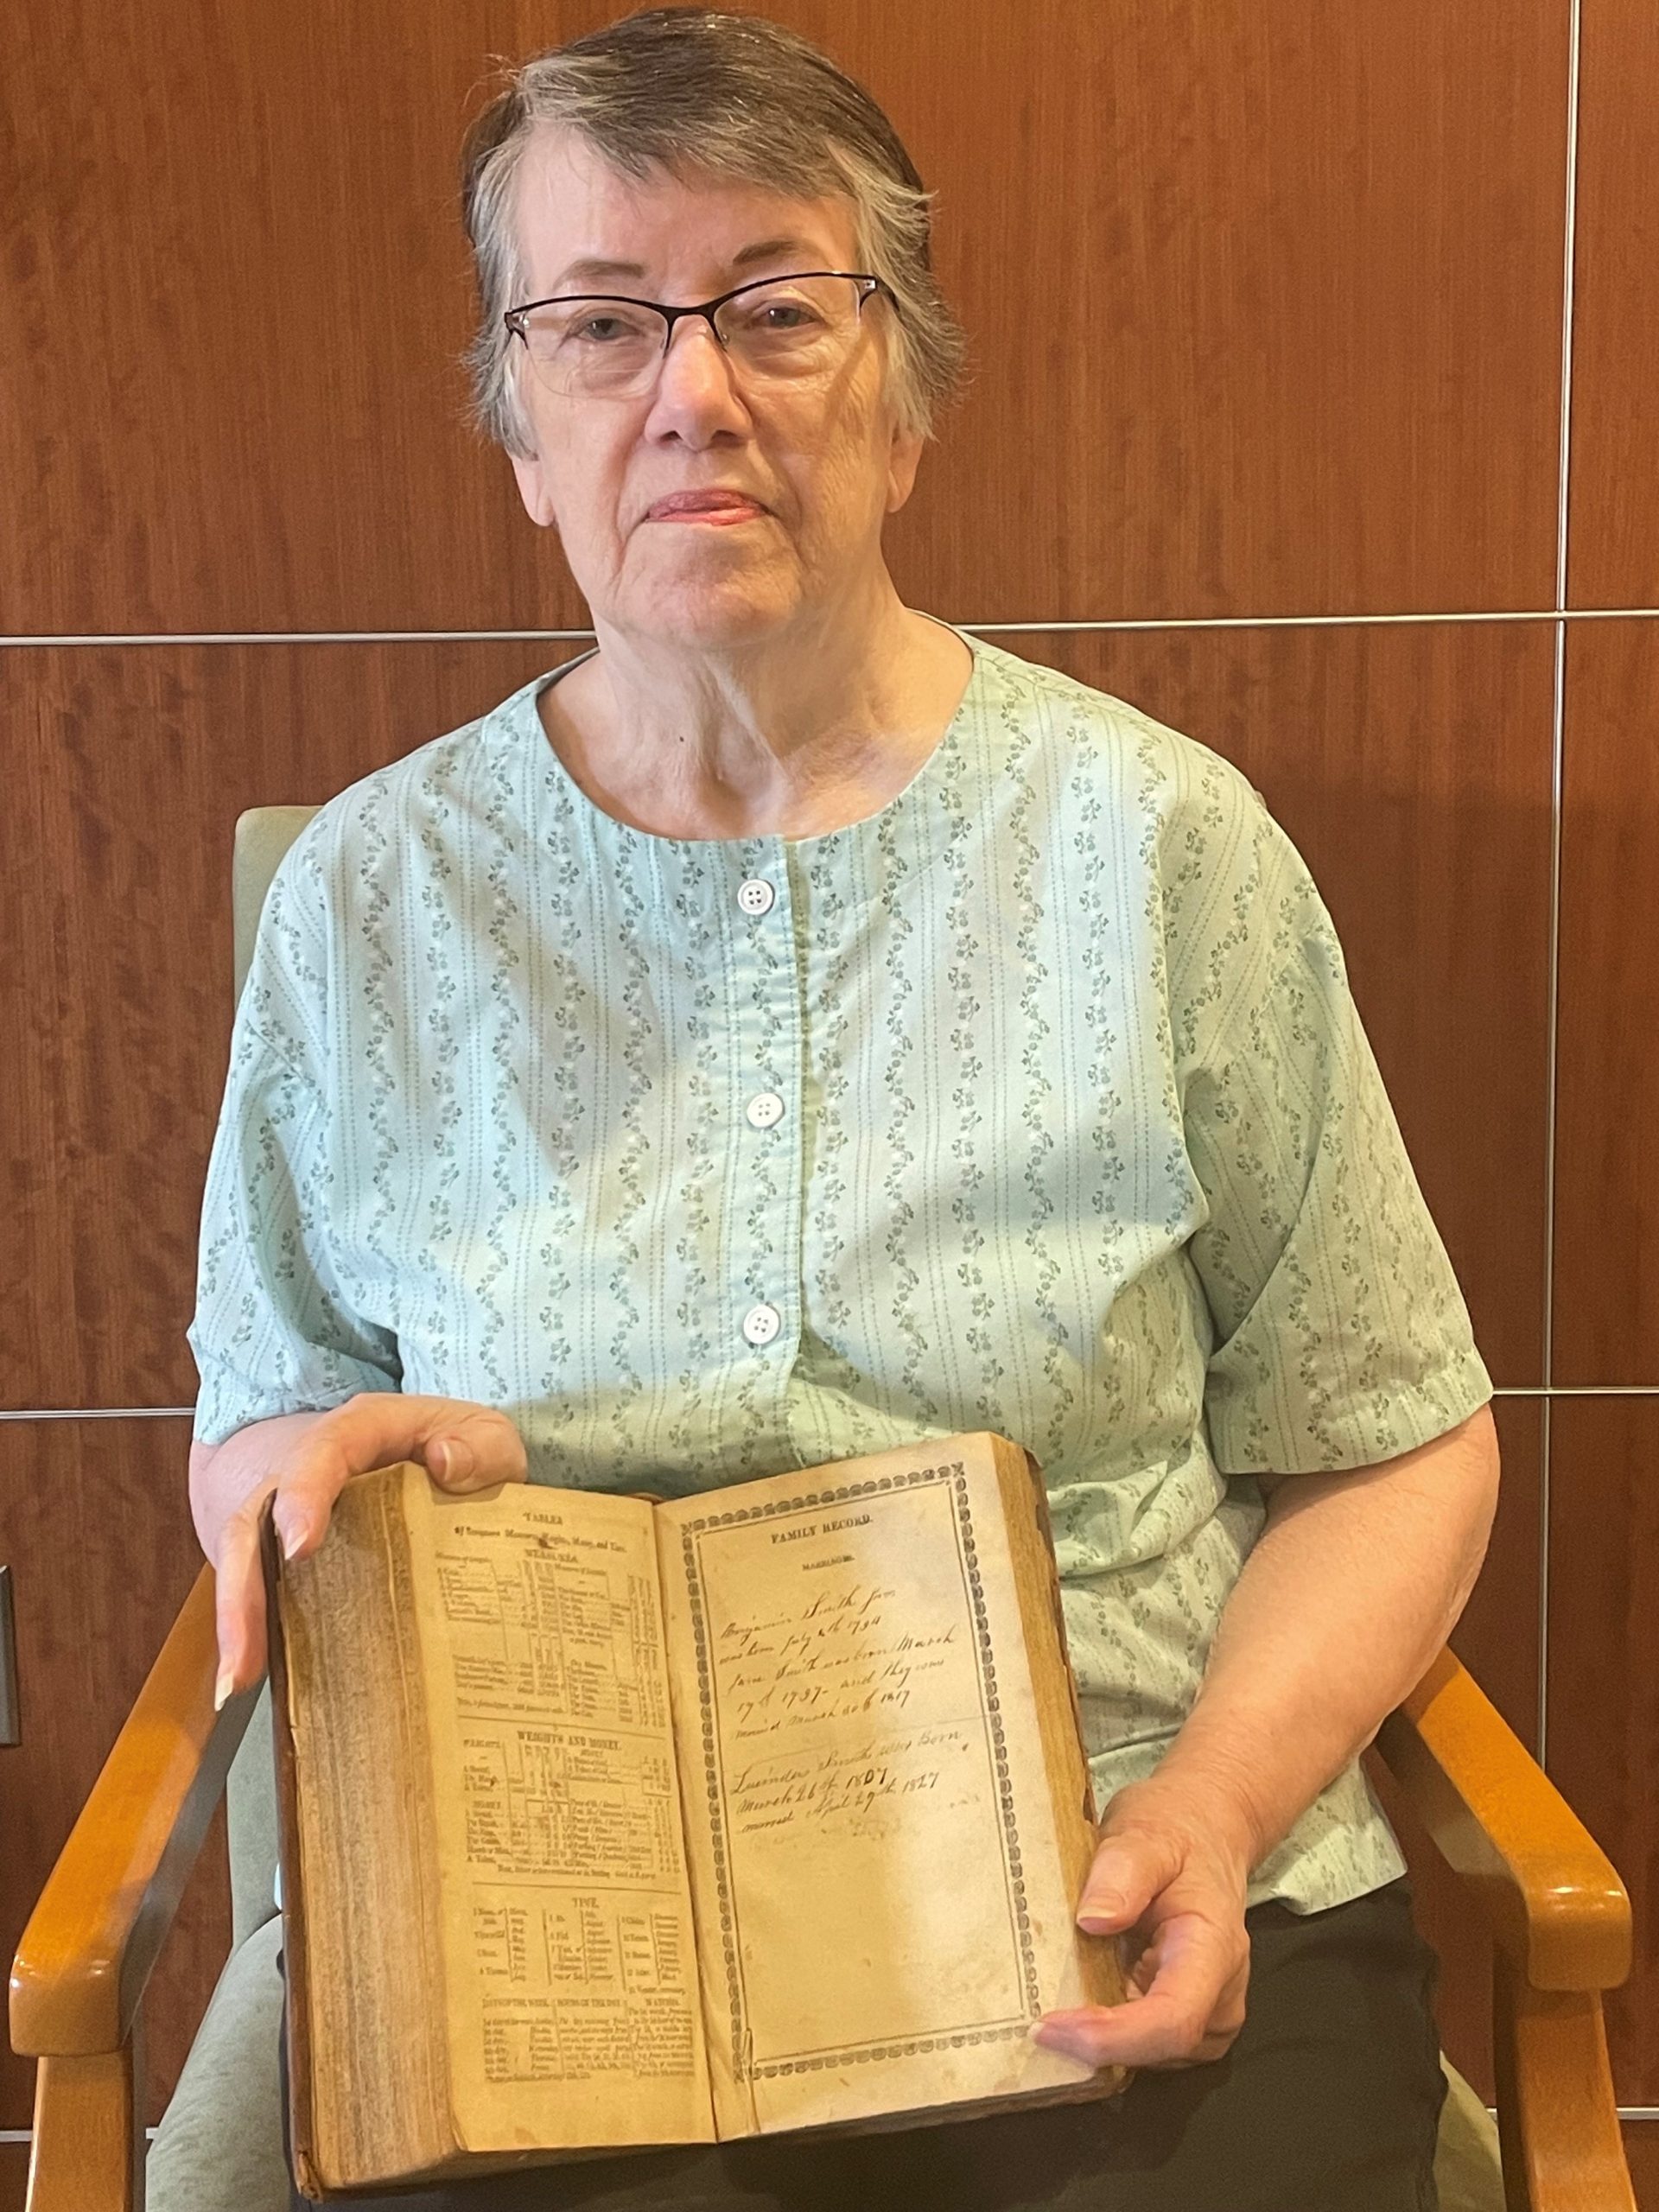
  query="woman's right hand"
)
[{"x": 307, "y": 1461}]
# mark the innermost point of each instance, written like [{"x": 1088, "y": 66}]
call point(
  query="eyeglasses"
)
[{"x": 785, "y": 329}]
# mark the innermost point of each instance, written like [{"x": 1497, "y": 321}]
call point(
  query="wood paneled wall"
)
[{"x": 1271, "y": 310}]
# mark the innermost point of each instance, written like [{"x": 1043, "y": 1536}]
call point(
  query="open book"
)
[{"x": 609, "y": 1823}]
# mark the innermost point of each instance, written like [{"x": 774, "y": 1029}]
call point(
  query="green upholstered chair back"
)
[{"x": 262, "y": 837}]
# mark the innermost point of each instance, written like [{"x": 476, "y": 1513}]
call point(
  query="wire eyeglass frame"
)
[{"x": 869, "y": 286}]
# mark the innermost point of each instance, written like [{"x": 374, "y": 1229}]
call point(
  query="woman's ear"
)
[
  {"x": 903, "y": 461},
  {"x": 533, "y": 489}
]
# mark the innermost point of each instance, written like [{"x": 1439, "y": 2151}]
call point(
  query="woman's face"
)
[{"x": 824, "y": 461}]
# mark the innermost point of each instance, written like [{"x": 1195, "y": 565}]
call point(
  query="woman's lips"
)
[{"x": 705, "y": 507}]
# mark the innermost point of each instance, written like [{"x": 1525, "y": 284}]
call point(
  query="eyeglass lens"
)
[{"x": 799, "y": 328}]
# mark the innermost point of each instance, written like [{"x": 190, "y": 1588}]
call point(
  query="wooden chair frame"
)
[{"x": 1556, "y": 1909}]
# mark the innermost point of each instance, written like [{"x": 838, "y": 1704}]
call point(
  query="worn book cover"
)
[{"x": 609, "y": 1823}]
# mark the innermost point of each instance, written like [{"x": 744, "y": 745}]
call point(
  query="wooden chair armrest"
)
[
  {"x": 1557, "y": 1909},
  {"x": 108, "y": 1904}
]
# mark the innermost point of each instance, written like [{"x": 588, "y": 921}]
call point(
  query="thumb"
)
[
  {"x": 450, "y": 1459},
  {"x": 1127, "y": 1874},
  {"x": 492, "y": 1452}
]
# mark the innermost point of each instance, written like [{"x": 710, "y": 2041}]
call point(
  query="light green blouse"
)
[{"x": 1036, "y": 1102}]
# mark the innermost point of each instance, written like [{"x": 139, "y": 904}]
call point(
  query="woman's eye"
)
[{"x": 604, "y": 329}]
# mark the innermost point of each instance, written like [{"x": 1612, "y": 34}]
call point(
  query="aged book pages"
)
[
  {"x": 361, "y": 1937},
  {"x": 831, "y": 1709},
  {"x": 887, "y": 1828},
  {"x": 566, "y": 1924}
]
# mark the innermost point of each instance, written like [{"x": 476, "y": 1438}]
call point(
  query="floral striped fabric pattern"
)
[{"x": 1036, "y": 1102}]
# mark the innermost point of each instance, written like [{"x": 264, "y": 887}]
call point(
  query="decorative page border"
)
[{"x": 743, "y": 2068}]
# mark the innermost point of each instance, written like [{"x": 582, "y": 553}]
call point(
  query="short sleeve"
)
[
  {"x": 273, "y": 1330},
  {"x": 1340, "y": 1335}
]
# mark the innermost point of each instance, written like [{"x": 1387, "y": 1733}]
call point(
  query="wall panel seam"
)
[
  {"x": 1557, "y": 779},
  {"x": 96, "y": 1412},
  {"x": 183, "y": 1413},
  {"x": 1032, "y": 628}
]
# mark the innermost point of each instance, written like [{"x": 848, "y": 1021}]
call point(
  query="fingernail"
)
[
  {"x": 1099, "y": 1910},
  {"x": 457, "y": 1459},
  {"x": 293, "y": 1537},
  {"x": 221, "y": 1691}
]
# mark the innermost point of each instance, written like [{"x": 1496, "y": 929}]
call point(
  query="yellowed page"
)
[
  {"x": 568, "y": 1934},
  {"x": 365, "y": 1969},
  {"x": 882, "y": 1905}
]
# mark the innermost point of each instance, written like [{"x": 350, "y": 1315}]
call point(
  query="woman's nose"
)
[{"x": 697, "y": 386}]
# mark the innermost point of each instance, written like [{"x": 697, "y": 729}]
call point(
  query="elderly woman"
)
[{"x": 792, "y": 1028}]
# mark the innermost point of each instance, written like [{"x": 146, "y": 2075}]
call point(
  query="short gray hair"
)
[{"x": 693, "y": 92}]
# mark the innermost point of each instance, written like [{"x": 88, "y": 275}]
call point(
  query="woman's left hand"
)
[{"x": 1169, "y": 1880}]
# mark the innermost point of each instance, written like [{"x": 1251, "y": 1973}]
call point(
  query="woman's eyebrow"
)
[
  {"x": 770, "y": 250},
  {"x": 590, "y": 269}
]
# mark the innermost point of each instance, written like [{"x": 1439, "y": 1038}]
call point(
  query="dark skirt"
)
[{"x": 1328, "y": 2101}]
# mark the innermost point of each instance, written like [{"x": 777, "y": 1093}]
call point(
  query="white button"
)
[
  {"x": 761, "y": 1323},
  {"x": 756, "y": 896},
  {"x": 765, "y": 1109}
]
